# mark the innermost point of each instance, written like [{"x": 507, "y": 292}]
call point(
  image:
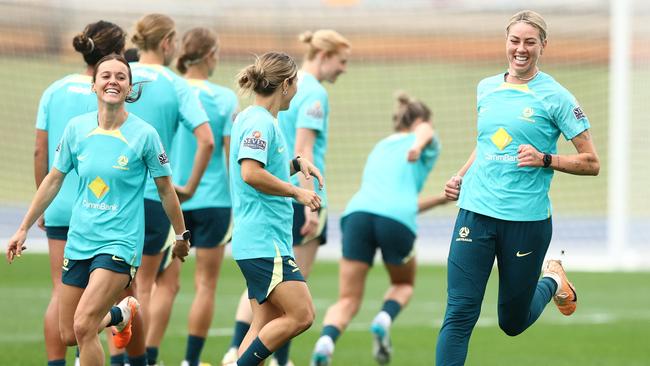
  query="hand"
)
[
  {"x": 307, "y": 197},
  {"x": 413, "y": 154},
  {"x": 183, "y": 193},
  {"x": 529, "y": 156},
  {"x": 452, "y": 187},
  {"x": 16, "y": 245},
  {"x": 310, "y": 226},
  {"x": 181, "y": 249},
  {"x": 309, "y": 170},
  {"x": 41, "y": 222}
]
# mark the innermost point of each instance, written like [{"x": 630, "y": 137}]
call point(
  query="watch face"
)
[{"x": 186, "y": 235}]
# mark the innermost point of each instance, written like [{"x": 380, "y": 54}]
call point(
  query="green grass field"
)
[
  {"x": 361, "y": 103},
  {"x": 611, "y": 326}
]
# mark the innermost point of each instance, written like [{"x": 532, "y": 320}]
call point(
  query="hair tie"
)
[{"x": 92, "y": 45}]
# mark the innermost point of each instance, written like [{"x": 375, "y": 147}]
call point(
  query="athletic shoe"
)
[
  {"x": 230, "y": 357},
  {"x": 274, "y": 362},
  {"x": 381, "y": 346},
  {"x": 122, "y": 331},
  {"x": 187, "y": 363},
  {"x": 565, "y": 297},
  {"x": 323, "y": 352}
]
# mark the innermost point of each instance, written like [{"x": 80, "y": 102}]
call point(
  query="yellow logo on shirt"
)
[
  {"x": 122, "y": 161},
  {"x": 501, "y": 138},
  {"x": 98, "y": 187}
]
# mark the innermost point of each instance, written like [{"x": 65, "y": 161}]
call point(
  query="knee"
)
[
  {"x": 84, "y": 327},
  {"x": 510, "y": 328},
  {"x": 303, "y": 319},
  {"x": 350, "y": 305},
  {"x": 67, "y": 336}
]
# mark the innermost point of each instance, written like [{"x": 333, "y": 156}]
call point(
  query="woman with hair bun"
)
[
  {"x": 381, "y": 215},
  {"x": 261, "y": 192},
  {"x": 305, "y": 126},
  {"x": 61, "y": 101}
]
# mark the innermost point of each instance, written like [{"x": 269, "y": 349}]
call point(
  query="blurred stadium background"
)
[{"x": 437, "y": 50}]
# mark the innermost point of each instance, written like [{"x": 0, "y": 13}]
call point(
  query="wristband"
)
[{"x": 296, "y": 164}]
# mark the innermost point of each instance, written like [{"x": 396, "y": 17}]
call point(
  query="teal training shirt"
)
[
  {"x": 166, "y": 101},
  {"x": 61, "y": 101},
  {"x": 309, "y": 109},
  {"x": 391, "y": 184},
  {"x": 108, "y": 212},
  {"x": 262, "y": 222},
  {"x": 510, "y": 115},
  {"x": 221, "y": 105}
]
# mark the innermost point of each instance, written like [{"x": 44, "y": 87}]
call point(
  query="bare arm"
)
[
  {"x": 452, "y": 187},
  {"x": 40, "y": 157},
  {"x": 254, "y": 174},
  {"x": 46, "y": 192},
  {"x": 423, "y": 136},
  {"x": 172, "y": 208},
  {"x": 427, "y": 203},
  {"x": 585, "y": 162},
  {"x": 305, "y": 141},
  {"x": 204, "y": 148}
]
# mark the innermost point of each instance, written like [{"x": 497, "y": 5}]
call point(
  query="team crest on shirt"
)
[
  {"x": 315, "y": 110},
  {"x": 255, "y": 141},
  {"x": 578, "y": 113},
  {"x": 527, "y": 114},
  {"x": 122, "y": 162},
  {"x": 162, "y": 158}
]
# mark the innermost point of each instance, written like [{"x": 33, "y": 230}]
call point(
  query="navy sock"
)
[
  {"x": 391, "y": 307},
  {"x": 118, "y": 359},
  {"x": 116, "y": 316},
  {"x": 331, "y": 331},
  {"x": 56, "y": 363},
  {"x": 241, "y": 328},
  {"x": 282, "y": 354},
  {"x": 138, "y": 360},
  {"x": 194, "y": 348},
  {"x": 152, "y": 355},
  {"x": 76, "y": 354},
  {"x": 254, "y": 354}
]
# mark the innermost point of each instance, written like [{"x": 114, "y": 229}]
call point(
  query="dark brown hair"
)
[
  {"x": 114, "y": 56},
  {"x": 98, "y": 40},
  {"x": 408, "y": 111}
]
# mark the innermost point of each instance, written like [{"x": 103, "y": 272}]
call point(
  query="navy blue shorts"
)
[
  {"x": 299, "y": 220},
  {"x": 364, "y": 232},
  {"x": 210, "y": 227},
  {"x": 57, "y": 232},
  {"x": 156, "y": 227},
  {"x": 77, "y": 272},
  {"x": 263, "y": 274}
]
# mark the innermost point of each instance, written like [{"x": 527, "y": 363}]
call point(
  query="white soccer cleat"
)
[
  {"x": 323, "y": 351},
  {"x": 230, "y": 358},
  {"x": 274, "y": 362},
  {"x": 381, "y": 345}
]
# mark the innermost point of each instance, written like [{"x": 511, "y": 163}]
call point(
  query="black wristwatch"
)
[
  {"x": 185, "y": 235},
  {"x": 296, "y": 164},
  {"x": 548, "y": 159}
]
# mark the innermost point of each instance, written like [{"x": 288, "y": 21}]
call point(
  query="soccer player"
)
[
  {"x": 305, "y": 127},
  {"x": 262, "y": 241},
  {"x": 112, "y": 151},
  {"x": 64, "y": 99},
  {"x": 502, "y": 192},
  {"x": 207, "y": 214},
  {"x": 167, "y": 102},
  {"x": 381, "y": 215}
]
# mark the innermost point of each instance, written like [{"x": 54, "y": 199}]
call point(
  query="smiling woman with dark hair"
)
[{"x": 113, "y": 152}]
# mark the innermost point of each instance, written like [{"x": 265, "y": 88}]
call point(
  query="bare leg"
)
[
  {"x": 162, "y": 301},
  {"x": 54, "y": 346}
]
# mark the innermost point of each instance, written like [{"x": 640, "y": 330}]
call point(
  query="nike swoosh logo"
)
[
  {"x": 82, "y": 157},
  {"x": 280, "y": 149},
  {"x": 295, "y": 270},
  {"x": 256, "y": 355},
  {"x": 520, "y": 254},
  {"x": 117, "y": 259}
]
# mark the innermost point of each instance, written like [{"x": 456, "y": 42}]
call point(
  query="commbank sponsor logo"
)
[{"x": 501, "y": 138}]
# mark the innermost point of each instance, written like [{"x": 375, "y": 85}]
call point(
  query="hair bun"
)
[
  {"x": 402, "y": 97},
  {"x": 306, "y": 36},
  {"x": 82, "y": 44}
]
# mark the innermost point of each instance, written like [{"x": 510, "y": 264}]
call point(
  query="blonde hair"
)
[
  {"x": 267, "y": 73},
  {"x": 196, "y": 45},
  {"x": 327, "y": 40},
  {"x": 408, "y": 110},
  {"x": 151, "y": 29},
  {"x": 531, "y": 18}
]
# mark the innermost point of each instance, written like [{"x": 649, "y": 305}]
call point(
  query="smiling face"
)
[
  {"x": 523, "y": 48},
  {"x": 112, "y": 84}
]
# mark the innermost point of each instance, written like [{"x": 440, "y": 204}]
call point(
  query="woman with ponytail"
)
[
  {"x": 381, "y": 215},
  {"x": 62, "y": 100}
]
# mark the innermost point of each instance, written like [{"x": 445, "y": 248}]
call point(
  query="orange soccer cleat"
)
[
  {"x": 565, "y": 297},
  {"x": 122, "y": 331}
]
